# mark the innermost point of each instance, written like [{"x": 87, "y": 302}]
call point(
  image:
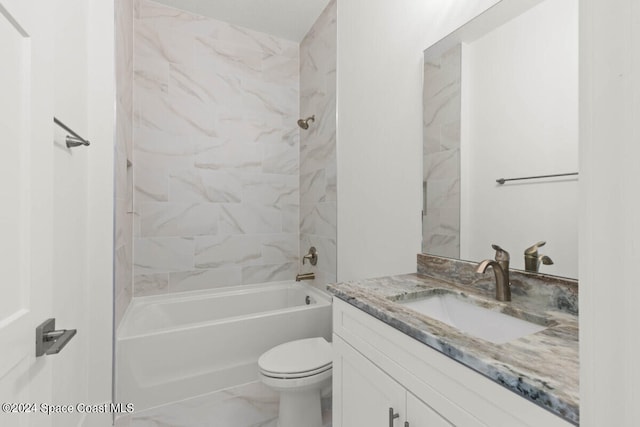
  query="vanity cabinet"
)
[
  {"x": 366, "y": 391},
  {"x": 377, "y": 367},
  {"x": 422, "y": 415},
  {"x": 370, "y": 397}
]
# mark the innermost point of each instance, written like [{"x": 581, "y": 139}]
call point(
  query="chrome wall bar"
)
[
  {"x": 502, "y": 180},
  {"x": 72, "y": 141}
]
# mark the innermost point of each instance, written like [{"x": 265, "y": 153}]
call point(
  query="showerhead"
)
[{"x": 304, "y": 123}]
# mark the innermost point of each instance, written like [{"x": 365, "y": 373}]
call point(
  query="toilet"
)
[{"x": 298, "y": 370}]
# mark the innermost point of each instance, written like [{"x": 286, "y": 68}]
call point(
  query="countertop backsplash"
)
[{"x": 541, "y": 290}]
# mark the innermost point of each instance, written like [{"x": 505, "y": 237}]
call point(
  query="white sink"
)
[{"x": 471, "y": 319}]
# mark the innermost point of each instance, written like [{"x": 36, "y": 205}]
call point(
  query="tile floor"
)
[{"x": 249, "y": 405}]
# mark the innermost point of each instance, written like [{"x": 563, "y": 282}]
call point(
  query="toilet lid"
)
[{"x": 297, "y": 357}]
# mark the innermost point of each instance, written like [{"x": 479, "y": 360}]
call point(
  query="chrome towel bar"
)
[
  {"x": 72, "y": 141},
  {"x": 502, "y": 180}
]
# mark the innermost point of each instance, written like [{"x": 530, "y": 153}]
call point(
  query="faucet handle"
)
[
  {"x": 312, "y": 256},
  {"x": 533, "y": 250},
  {"x": 532, "y": 259},
  {"x": 501, "y": 254},
  {"x": 546, "y": 260}
]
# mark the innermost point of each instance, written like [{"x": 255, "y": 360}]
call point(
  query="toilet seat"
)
[
  {"x": 297, "y": 359},
  {"x": 296, "y": 374}
]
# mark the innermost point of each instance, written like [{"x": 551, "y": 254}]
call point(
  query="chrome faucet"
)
[
  {"x": 500, "y": 270},
  {"x": 532, "y": 259}
]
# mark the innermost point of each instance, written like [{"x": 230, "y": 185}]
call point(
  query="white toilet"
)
[{"x": 299, "y": 370}]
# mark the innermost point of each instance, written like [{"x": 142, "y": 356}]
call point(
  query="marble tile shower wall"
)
[
  {"x": 318, "y": 211},
  {"x": 216, "y": 153},
  {"x": 123, "y": 267},
  {"x": 441, "y": 180}
]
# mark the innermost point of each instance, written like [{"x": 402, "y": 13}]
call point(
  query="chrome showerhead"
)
[{"x": 304, "y": 123}]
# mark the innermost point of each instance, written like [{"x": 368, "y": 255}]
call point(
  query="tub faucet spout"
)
[{"x": 305, "y": 276}]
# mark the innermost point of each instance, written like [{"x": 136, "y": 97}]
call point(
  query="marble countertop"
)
[{"x": 543, "y": 367}]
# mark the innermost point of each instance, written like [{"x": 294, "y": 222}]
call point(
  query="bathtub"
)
[{"x": 177, "y": 346}]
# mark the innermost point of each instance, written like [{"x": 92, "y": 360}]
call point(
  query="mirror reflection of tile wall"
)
[{"x": 441, "y": 151}]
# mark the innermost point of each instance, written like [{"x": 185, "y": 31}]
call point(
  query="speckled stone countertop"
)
[{"x": 543, "y": 367}]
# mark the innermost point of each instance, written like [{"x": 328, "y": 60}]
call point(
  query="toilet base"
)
[
  {"x": 300, "y": 399},
  {"x": 300, "y": 408}
]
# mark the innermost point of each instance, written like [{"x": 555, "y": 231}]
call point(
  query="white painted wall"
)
[
  {"x": 70, "y": 280},
  {"x": 379, "y": 131},
  {"x": 83, "y": 206},
  {"x": 520, "y": 92},
  {"x": 609, "y": 212},
  {"x": 101, "y": 114}
]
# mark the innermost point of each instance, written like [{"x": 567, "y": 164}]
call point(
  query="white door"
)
[{"x": 26, "y": 134}]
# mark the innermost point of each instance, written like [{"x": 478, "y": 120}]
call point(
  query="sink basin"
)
[{"x": 472, "y": 319}]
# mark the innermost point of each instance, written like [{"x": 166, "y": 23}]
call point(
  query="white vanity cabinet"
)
[
  {"x": 422, "y": 415},
  {"x": 377, "y": 367},
  {"x": 367, "y": 393},
  {"x": 369, "y": 397}
]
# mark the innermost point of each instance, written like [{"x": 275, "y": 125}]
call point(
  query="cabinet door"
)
[
  {"x": 363, "y": 394},
  {"x": 419, "y": 414}
]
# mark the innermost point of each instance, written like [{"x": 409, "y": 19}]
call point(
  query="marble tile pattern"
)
[
  {"x": 249, "y": 405},
  {"x": 318, "y": 212},
  {"x": 217, "y": 162},
  {"x": 123, "y": 266},
  {"x": 542, "y": 367},
  {"x": 441, "y": 151}
]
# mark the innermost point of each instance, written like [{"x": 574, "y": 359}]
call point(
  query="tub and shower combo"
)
[{"x": 177, "y": 346}]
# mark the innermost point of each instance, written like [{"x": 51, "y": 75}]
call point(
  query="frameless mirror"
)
[{"x": 501, "y": 102}]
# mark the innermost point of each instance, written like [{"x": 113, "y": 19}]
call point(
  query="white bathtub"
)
[{"x": 172, "y": 347}]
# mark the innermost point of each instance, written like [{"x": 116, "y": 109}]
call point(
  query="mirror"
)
[{"x": 501, "y": 101}]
